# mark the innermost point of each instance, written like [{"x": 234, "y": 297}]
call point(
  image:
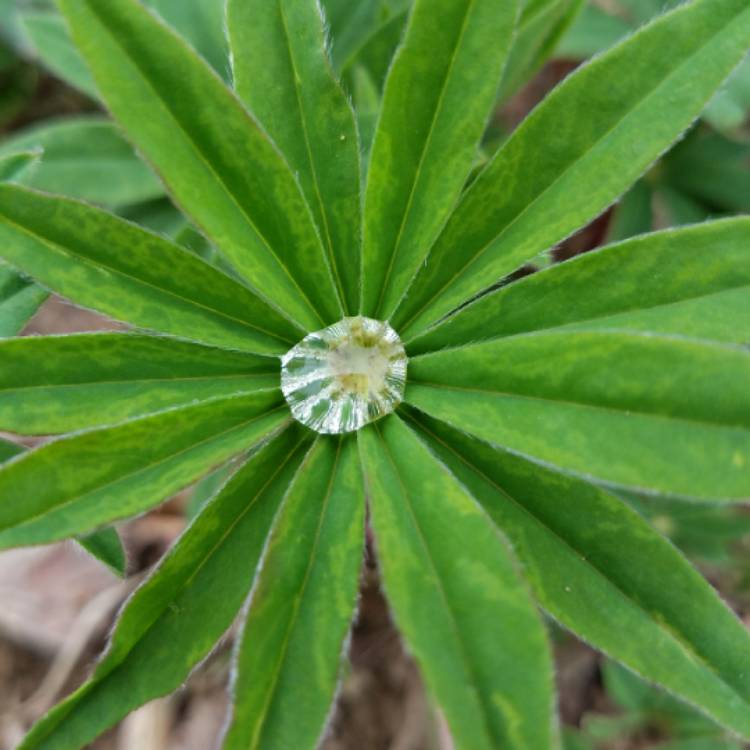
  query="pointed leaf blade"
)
[
  {"x": 74, "y": 485},
  {"x": 175, "y": 618},
  {"x": 221, "y": 167},
  {"x": 135, "y": 275},
  {"x": 613, "y": 580},
  {"x": 456, "y": 596},
  {"x": 692, "y": 281},
  {"x": 55, "y": 384},
  {"x": 282, "y": 72},
  {"x": 427, "y": 137},
  {"x": 288, "y": 660},
  {"x": 596, "y": 146},
  {"x": 665, "y": 415}
]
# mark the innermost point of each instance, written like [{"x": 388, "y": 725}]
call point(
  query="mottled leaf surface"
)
[
  {"x": 282, "y": 72},
  {"x": 427, "y": 137},
  {"x": 174, "y": 619},
  {"x": 663, "y": 414},
  {"x": 102, "y": 262},
  {"x": 612, "y": 580},
  {"x": 289, "y": 657},
  {"x": 54, "y": 384},
  {"x": 693, "y": 281},
  {"x": 456, "y": 596},
  {"x": 596, "y": 142},
  {"x": 218, "y": 163},
  {"x": 76, "y": 484}
]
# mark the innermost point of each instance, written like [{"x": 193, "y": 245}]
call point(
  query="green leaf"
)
[
  {"x": 692, "y": 282},
  {"x": 218, "y": 163},
  {"x": 15, "y": 162},
  {"x": 427, "y": 137},
  {"x": 289, "y": 656},
  {"x": 456, "y": 597},
  {"x": 76, "y": 484},
  {"x": 132, "y": 275},
  {"x": 202, "y": 23},
  {"x": 633, "y": 215},
  {"x": 375, "y": 54},
  {"x": 105, "y": 545},
  {"x": 55, "y": 384},
  {"x": 595, "y": 146},
  {"x": 282, "y": 72},
  {"x": 51, "y": 41},
  {"x": 85, "y": 157},
  {"x": 540, "y": 27},
  {"x": 667, "y": 415},
  {"x": 175, "y": 618},
  {"x": 9, "y": 449},
  {"x": 601, "y": 571},
  {"x": 711, "y": 169},
  {"x": 19, "y": 300}
]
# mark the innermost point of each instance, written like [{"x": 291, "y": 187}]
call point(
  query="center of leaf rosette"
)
[{"x": 345, "y": 376}]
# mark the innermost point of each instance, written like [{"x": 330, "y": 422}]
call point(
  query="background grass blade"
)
[
  {"x": 289, "y": 657},
  {"x": 85, "y": 157},
  {"x": 175, "y": 618},
  {"x": 456, "y": 597},
  {"x": 76, "y": 484},
  {"x": 613, "y": 580},
  {"x": 662, "y": 414},
  {"x": 134, "y": 275},
  {"x": 595, "y": 146},
  {"x": 427, "y": 137},
  {"x": 693, "y": 281},
  {"x": 56, "y": 384},
  {"x": 282, "y": 72},
  {"x": 221, "y": 167}
]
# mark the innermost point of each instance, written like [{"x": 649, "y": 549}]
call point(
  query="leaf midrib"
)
[{"x": 648, "y": 95}]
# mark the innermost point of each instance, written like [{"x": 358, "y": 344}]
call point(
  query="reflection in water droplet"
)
[{"x": 345, "y": 376}]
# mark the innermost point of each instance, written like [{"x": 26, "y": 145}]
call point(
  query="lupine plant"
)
[{"x": 355, "y": 350}]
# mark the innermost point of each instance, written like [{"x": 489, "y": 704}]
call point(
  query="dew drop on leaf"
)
[{"x": 345, "y": 376}]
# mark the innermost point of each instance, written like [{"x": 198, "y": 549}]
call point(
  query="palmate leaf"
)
[
  {"x": 174, "y": 619},
  {"x": 19, "y": 300},
  {"x": 599, "y": 569},
  {"x": 656, "y": 413},
  {"x": 94, "y": 478},
  {"x": 200, "y": 140},
  {"x": 56, "y": 384},
  {"x": 427, "y": 137},
  {"x": 102, "y": 262},
  {"x": 282, "y": 72},
  {"x": 85, "y": 157},
  {"x": 104, "y": 545},
  {"x": 595, "y": 146},
  {"x": 693, "y": 282},
  {"x": 456, "y": 597},
  {"x": 302, "y": 605}
]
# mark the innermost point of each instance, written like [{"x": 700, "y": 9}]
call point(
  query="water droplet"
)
[{"x": 345, "y": 376}]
